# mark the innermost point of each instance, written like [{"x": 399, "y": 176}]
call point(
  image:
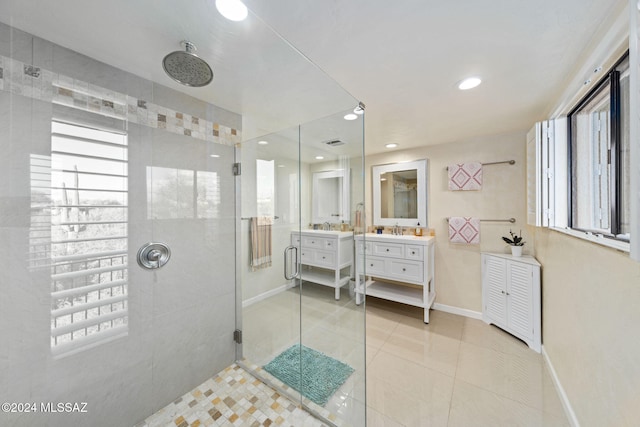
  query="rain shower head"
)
[{"x": 186, "y": 67}]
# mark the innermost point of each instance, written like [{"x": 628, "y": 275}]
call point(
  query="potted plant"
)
[{"x": 516, "y": 243}]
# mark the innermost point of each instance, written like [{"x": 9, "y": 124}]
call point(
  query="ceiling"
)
[{"x": 401, "y": 58}]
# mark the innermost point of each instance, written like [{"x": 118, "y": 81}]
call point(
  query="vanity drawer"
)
[
  {"x": 307, "y": 255},
  {"x": 409, "y": 271},
  {"x": 372, "y": 266},
  {"x": 325, "y": 258},
  {"x": 313, "y": 242},
  {"x": 330, "y": 244},
  {"x": 363, "y": 247},
  {"x": 393, "y": 250},
  {"x": 295, "y": 240},
  {"x": 413, "y": 252}
]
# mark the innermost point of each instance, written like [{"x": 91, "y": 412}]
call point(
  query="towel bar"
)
[
  {"x": 511, "y": 220},
  {"x": 511, "y": 162},
  {"x": 248, "y": 218}
]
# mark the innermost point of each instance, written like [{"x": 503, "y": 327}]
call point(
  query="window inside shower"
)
[{"x": 88, "y": 236}]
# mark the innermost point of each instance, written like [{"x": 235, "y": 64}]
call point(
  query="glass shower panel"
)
[
  {"x": 270, "y": 216},
  {"x": 332, "y": 325}
]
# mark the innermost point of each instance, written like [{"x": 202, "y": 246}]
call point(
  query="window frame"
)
[{"x": 612, "y": 80}]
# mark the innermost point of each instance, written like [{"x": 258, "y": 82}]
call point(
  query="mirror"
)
[
  {"x": 400, "y": 194},
  {"x": 330, "y": 201}
]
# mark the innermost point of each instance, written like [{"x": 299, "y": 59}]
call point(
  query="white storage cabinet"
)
[{"x": 511, "y": 296}]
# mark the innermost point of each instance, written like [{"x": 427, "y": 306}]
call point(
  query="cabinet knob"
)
[
  {"x": 404, "y": 269},
  {"x": 413, "y": 253},
  {"x": 323, "y": 257},
  {"x": 371, "y": 265},
  {"x": 387, "y": 250},
  {"x": 503, "y": 292}
]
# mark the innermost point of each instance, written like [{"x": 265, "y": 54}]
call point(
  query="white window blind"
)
[
  {"x": 534, "y": 175},
  {"x": 88, "y": 236},
  {"x": 547, "y": 201}
]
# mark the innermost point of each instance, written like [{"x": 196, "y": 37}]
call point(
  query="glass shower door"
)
[
  {"x": 302, "y": 332},
  {"x": 268, "y": 220}
]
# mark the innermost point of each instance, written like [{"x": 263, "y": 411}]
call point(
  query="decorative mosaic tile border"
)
[
  {"x": 34, "y": 82},
  {"x": 232, "y": 398}
]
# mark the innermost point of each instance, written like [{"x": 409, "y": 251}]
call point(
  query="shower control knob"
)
[{"x": 152, "y": 256}]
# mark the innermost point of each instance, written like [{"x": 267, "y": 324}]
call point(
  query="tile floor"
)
[
  {"x": 455, "y": 371},
  {"x": 231, "y": 398},
  {"x": 335, "y": 328}
]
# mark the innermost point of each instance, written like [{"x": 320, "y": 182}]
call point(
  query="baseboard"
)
[
  {"x": 456, "y": 310},
  {"x": 268, "y": 294},
  {"x": 568, "y": 409}
]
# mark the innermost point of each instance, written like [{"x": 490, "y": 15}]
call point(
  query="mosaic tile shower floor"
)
[{"x": 232, "y": 398}]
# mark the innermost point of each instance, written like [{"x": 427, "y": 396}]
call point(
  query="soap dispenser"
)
[{"x": 418, "y": 231}]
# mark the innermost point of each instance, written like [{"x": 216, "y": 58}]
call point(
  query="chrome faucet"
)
[
  {"x": 396, "y": 230},
  {"x": 326, "y": 226}
]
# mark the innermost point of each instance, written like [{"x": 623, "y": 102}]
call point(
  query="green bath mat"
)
[{"x": 321, "y": 375}]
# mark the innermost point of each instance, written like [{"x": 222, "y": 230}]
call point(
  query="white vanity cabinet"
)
[
  {"x": 511, "y": 296},
  {"x": 331, "y": 251},
  {"x": 396, "y": 268}
]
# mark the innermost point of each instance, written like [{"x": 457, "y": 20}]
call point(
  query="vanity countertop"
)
[
  {"x": 319, "y": 233},
  {"x": 420, "y": 240}
]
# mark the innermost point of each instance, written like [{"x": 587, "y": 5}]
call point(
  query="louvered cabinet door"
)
[
  {"x": 511, "y": 296},
  {"x": 520, "y": 299},
  {"x": 494, "y": 286}
]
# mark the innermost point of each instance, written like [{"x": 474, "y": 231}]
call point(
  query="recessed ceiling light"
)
[
  {"x": 350, "y": 116},
  {"x": 392, "y": 145},
  {"x": 263, "y": 142},
  {"x": 233, "y": 10},
  {"x": 469, "y": 83},
  {"x": 319, "y": 157},
  {"x": 280, "y": 166},
  {"x": 214, "y": 155}
]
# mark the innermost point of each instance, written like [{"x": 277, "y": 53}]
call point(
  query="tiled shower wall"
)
[{"x": 181, "y": 317}]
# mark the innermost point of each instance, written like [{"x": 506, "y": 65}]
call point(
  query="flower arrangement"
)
[{"x": 515, "y": 240}]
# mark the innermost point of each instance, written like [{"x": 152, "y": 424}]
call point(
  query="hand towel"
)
[
  {"x": 465, "y": 176},
  {"x": 261, "y": 242},
  {"x": 464, "y": 230}
]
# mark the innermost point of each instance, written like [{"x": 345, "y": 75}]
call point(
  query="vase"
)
[{"x": 516, "y": 250}]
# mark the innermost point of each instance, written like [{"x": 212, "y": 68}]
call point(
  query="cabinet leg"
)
[
  {"x": 426, "y": 315},
  {"x": 337, "y": 294}
]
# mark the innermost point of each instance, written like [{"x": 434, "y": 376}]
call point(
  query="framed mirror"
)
[
  {"x": 330, "y": 202},
  {"x": 400, "y": 194}
]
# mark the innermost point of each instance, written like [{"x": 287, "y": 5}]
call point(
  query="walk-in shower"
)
[{"x": 144, "y": 216}]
